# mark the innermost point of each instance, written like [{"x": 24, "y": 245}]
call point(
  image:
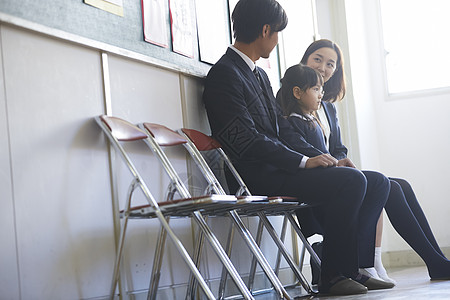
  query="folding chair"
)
[
  {"x": 161, "y": 136},
  {"x": 201, "y": 142},
  {"x": 120, "y": 131}
]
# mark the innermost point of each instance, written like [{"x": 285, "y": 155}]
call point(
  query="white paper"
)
[
  {"x": 183, "y": 27},
  {"x": 155, "y": 22}
]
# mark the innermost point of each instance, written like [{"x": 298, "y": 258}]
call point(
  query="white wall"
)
[
  {"x": 57, "y": 163},
  {"x": 401, "y": 137},
  {"x": 9, "y": 281},
  {"x": 57, "y": 221}
]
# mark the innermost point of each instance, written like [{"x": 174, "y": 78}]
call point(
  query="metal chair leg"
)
[
  {"x": 282, "y": 237},
  {"x": 259, "y": 256},
  {"x": 286, "y": 254},
  {"x": 223, "y": 277},
  {"x": 302, "y": 238},
  {"x": 157, "y": 262},
  {"x": 120, "y": 244},
  {"x": 222, "y": 256},
  {"x": 302, "y": 256},
  {"x": 258, "y": 238},
  {"x": 192, "y": 284},
  {"x": 201, "y": 281}
]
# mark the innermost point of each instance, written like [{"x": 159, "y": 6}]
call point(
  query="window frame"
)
[{"x": 383, "y": 55}]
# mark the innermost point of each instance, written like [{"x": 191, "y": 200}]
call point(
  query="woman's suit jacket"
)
[
  {"x": 336, "y": 148},
  {"x": 245, "y": 119}
]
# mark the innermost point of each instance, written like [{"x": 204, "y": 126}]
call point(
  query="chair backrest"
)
[
  {"x": 120, "y": 131},
  {"x": 198, "y": 141},
  {"x": 161, "y": 136}
]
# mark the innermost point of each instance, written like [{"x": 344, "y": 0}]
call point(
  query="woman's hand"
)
[{"x": 323, "y": 160}]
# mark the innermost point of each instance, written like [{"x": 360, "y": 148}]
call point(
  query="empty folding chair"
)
[
  {"x": 120, "y": 131},
  {"x": 161, "y": 136},
  {"x": 201, "y": 142}
]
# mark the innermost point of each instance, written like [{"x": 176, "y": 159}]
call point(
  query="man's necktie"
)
[
  {"x": 267, "y": 103},
  {"x": 256, "y": 72}
]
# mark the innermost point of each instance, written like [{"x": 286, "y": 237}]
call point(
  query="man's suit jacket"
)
[{"x": 262, "y": 144}]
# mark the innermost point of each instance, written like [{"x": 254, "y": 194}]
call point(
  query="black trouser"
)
[{"x": 350, "y": 202}]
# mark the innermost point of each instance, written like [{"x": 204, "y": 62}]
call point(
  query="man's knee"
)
[
  {"x": 377, "y": 181},
  {"x": 355, "y": 177},
  {"x": 353, "y": 183}
]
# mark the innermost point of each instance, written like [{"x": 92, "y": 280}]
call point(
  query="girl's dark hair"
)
[
  {"x": 335, "y": 87},
  {"x": 249, "y": 17},
  {"x": 298, "y": 75}
]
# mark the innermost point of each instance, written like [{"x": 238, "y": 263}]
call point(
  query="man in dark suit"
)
[{"x": 272, "y": 158}]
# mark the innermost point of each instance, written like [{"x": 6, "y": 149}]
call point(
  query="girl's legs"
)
[
  {"x": 378, "y": 271},
  {"x": 378, "y": 263},
  {"x": 374, "y": 201},
  {"x": 409, "y": 221}
]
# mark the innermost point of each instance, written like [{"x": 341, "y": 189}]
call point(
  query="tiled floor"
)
[{"x": 412, "y": 284}]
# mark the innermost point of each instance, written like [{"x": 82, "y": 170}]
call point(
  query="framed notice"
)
[
  {"x": 112, "y": 6},
  {"x": 213, "y": 29},
  {"x": 155, "y": 22},
  {"x": 184, "y": 33}
]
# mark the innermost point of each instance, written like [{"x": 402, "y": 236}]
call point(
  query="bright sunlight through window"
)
[{"x": 417, "y": 44}]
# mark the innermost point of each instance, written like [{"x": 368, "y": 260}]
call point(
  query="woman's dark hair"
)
[
  {"x": 335, "y": 86},
  {"x": 249, "y": 17},
  {"x": 298, "y": 75}
]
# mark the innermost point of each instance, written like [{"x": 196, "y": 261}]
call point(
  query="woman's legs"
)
[
  {"x": 410, "y": 197},
  {"x": 408, "y": 219}
]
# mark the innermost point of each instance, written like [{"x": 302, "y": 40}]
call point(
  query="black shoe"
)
[
  {"x": 342, "y": 286},
  {"x": 372, "y": 283},
  {"x": 315, "y": 268}
]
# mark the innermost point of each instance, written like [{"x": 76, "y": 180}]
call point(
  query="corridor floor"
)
[{"x": 412, "y": 284}]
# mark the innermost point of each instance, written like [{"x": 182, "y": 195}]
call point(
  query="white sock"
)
[
  {"x": 378, "y": 265},
  {"x": 370, "y": 272}
]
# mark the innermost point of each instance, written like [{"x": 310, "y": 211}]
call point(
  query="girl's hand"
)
[
  {"x": 346, "y": 162},
  {"x": 323, "y": 160}
]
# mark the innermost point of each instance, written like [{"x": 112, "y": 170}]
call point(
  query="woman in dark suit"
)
[{"x": 402, "y": 207}]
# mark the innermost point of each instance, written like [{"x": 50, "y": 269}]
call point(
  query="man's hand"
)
[
  {"x": 346, "y": 162},
  {"x": 323, "y": 160}
]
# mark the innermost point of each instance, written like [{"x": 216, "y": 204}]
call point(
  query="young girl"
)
[{"x": 301, "y": 94}]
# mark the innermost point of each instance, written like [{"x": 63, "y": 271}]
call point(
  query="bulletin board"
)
[{"x": 126, "y": 32}]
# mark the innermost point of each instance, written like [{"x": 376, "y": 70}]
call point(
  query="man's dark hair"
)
[{"x": 249, "y": 17}]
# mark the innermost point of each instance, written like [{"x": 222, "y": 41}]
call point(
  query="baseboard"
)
[{"x": 405, "y": 258}]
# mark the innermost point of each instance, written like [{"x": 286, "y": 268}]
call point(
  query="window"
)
[{"x": 416, "y": 41}]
